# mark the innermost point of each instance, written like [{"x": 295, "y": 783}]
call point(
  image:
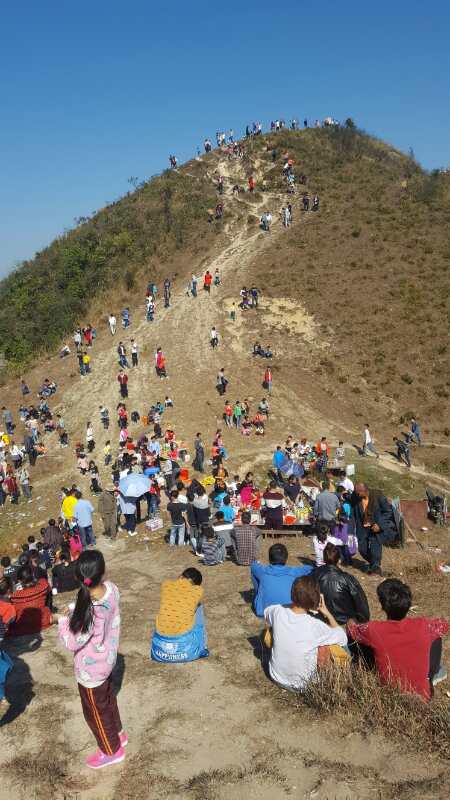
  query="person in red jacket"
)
[
  {"x": 207, "y": 281},
  {"x": 267, "y": 382},
  {"x": 123, "y": 383},
  {"x": 407, "y": 650},
  {"x": 160, "y": 363},
  {"x": 30, "y": 604}
]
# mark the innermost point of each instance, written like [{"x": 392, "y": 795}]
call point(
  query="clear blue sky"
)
[{"x": 94, "y": 92}]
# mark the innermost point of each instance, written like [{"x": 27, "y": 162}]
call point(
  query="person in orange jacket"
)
[{"x": 322, "y": 447}]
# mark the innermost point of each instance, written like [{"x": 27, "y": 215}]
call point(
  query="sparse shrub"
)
[
  {"x": 129, "y": 280},
  {"x": 358, "y": 698},
  {"x": 407, "y": 378},
  {"x": 356, "y": 232}
]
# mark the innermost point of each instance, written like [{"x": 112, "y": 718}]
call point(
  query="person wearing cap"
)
[{"x": 107, "y": 508}]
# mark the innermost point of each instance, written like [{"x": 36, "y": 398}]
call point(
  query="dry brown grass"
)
[
  {"x": 49, "y": 775},
  {"x": 362, "y": 703}
]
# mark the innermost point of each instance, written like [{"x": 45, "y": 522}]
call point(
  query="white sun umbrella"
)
[{"x": 134, "y": 485}]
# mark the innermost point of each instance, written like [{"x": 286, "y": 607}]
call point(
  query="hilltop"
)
[{"x": 355, "y": 296}]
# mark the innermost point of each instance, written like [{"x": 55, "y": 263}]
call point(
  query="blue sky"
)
[{"x": 94, "y": 92}]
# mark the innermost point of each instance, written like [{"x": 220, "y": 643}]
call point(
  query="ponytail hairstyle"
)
[{"x": 89, "y": 572}]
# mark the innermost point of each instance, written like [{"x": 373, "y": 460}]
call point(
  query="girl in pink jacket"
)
[{"x": 91, "y": 633}]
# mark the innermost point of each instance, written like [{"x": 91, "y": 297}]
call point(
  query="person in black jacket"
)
[
  {"x": 374, "y": 524},
  {"x": 344, "y": 596}
]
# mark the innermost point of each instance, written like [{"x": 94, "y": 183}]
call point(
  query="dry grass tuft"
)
[
  {"x": 47, "y": 774},
  {"x": 364, "y": 704}
]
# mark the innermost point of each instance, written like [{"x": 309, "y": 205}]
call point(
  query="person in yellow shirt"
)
[
  {"x": 86, "y": 362},
  {"x": 68, "y": 505},
  {"x": 180, "y": 633}
]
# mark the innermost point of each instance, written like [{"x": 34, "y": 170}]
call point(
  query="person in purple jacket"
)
[{"x": 273, "y": 582}]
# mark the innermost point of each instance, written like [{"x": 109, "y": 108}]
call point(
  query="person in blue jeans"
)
[
  {"x": 177, "y": 511},
  {"x": 128, "y": 508},
  {"x": 82, "y": 513},
  {"x": 273, "y": 582}
]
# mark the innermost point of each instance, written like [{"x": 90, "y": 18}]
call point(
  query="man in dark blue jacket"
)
[
  {"x": 273, "y": 582},
  {"x": 374, "y": 524}
]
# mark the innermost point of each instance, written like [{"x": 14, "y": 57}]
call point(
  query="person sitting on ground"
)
[
  {"x": 63, "y": 573},
  {"x": 30, "y": 603},
  {"x": 213, "y": 547},
  {"x": 229, "y": 512},
  {"x": 245, "y": 540},
  {"x": 53, "y": 536},
  {"x": 407, "y": 651},
  {"x": 321, "y": 538},
  {"x": 297, "y": 635},
  {"x": 180, "y": 634},
  {"x": 272, "y": 582},
  {"x": 343, "y": 594}
]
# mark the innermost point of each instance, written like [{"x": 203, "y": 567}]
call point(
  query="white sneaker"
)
[{"x": 132, "y": 533}]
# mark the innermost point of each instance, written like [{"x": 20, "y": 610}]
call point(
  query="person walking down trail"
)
[
  {"x": 104, "y": 417},
  {"x": 122, "y": 353},
  {"x": 368, "y": 445},
  {"x": 8, "y": 420},
  {"x": 199, "y": 453},
  {"x": 160, "y": 364},
  {"x": 123, "y": 383},
  {"x": 214, "y": 338},
  {"x": 207, "y": 281},
  {"x": 194, "y": 284},
  {"x": 286, "y": 217},
  {"x": 166, "y": 293},
  {"x": 134, "y": 353},
  {"x": 221, "y": 383},
  {"x": 91, "y": 632},
  {"x": 112, "y": 324},
  {"x": 415, "y": 432},
  {"x": 267, "y": 381},
  {"x": 150, "y": 309},
  {"x": 403, "y": 453}
]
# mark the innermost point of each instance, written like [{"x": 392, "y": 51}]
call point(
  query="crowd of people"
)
[{"x": 314, "y": 613}]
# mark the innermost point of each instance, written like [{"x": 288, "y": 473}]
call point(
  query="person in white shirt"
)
[
  {"x": 345, "y": 481},
  {"x": 214, "y": 338},
  {"x": 134, "y": 353},
  {"x": 297, "y": 634},
  {"x": 368, "y": 445},
  {"x": 112, "y": 324}
]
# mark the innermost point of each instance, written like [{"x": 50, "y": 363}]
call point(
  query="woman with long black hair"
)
[{"x": 91, "y": 632}]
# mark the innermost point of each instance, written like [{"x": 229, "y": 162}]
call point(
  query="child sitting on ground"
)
[
  {"x": 213, "y": 547},
  {"x": 320, "y": 541}
]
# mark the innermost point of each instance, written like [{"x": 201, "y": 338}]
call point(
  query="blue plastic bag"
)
[{"x": 186, "y": 647}]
